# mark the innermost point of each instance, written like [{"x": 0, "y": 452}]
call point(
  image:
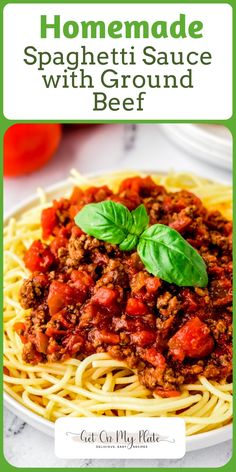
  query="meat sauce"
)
[{"x": 87, "y": 296}]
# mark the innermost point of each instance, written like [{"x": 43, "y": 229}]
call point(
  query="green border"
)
[{"x": 5, "y": 123}]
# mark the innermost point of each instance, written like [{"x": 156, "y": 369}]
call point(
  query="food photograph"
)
[{"x": 117, "y": 284}]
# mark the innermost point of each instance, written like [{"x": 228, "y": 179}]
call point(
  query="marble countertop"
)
[{"x": 91, "y": 149}]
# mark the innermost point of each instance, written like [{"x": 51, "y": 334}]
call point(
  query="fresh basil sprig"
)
[
  {"x": 163, "y": 251},
  {"x": 167, "y": 255},
  {"x": 106, "y": 220},
  {"x": 113, "y": 222}
]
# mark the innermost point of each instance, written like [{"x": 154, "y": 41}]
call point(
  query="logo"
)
[{"x": 120, "y": 437}]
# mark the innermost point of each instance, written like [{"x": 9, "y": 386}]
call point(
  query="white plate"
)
[
  {"x": 210, "y": 143},
  {"x": 198, "y": 441}
]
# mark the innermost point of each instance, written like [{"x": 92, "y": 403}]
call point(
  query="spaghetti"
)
[{"x": 100, "y": 385}]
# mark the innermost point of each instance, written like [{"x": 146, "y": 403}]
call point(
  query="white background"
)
[{"x": 25, "y": 96}]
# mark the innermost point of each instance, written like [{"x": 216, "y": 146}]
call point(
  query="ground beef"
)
[{"x": 33, "y": 290}]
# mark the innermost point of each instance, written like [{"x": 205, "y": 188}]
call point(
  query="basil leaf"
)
[
  {"x": 140, "y": 220},
  {"x": 108, "y": 221},
  {"x": 129, "y": 243},
  {"x": 167, "y": 255}
]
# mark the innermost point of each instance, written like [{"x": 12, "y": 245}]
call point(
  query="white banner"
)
[{"x": 117, "y": 438}]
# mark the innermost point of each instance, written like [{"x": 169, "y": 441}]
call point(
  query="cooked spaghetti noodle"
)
[{"x": 100, "y": 385}]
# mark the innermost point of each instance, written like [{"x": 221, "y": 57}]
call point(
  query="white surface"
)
[
  {"x": 211, "y": 143},
  {"x": 109, "y": 146},
  {"x": 26, "y": 96}
]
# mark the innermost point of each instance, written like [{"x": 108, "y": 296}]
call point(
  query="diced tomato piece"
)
[
  {"x": 57, "y": 243},
  {"x": 61, "y": 205},
  {"x": 228, "y": 227},
  {"x": 166, "y": 393},
  {"x": 215, "y": 269},
  {"x": 61, "y": 317},
  {"x": 81, "y": 278},
  {"x": 82, "y": 282},
  {"x": 180, "y": 200},
  {"x": 105, "y": 297},
  {"x": 60, "y": 295},
  {"x": 155, "y": 358},
  {"x": 174, "y": 204},
  {"x": 109, "y": 338},
  {"x": 49, "y": 221},
  {"x": 64, "y": 231},
  {"x": 103, "y": 336},
  {"x": 53, "y": 346},
  {"x": 38, "y": 257},
  {"x": 136, "y": 307},
  {"x": 73, "y": 343},
  {"x": 52, "y": 332},
  {"x": 41, "y": 342},
  {"x": 74, "y": 209},
  {"x": 76, "y": 195},
  {"x": 138, "y": 185},
  {"x": 189, "y": 300},
  {"x": 88, "y": 314},
  {"x": 139, "y": 281},
  {"x": 76, "y": 232},
  {"x": 35, "y": 357},
  {"x": 181, "y": 223},
  {"x": 41, "y": 280},
  {"x": 96, "y": 194},
  {"x": 153, "y": 284},
  {"x": 129, "y": 198},
  {"x": 143, "y": 338},
  {"x": 192, "y": 340},
  {"x": 19, "y": 327}
]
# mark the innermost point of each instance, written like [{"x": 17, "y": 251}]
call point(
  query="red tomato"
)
[
  {"x": 181, "y": 223},
  {"x": 138, "y": 184},
  {"x": 60, "y": 295},
  {"x": 41, "y": 342},
  {"x": 57, "y": 243},
  {"x": 192, "y": 340},
  {"x": 153, "y": 284},
  {"x": 81, "y": 279},
  {"x": 76, "y": 195},
  {"x": 73, "y": 343},
  {"x": 143, "y": 338},
  {"x": 81, "y": 282},
  {"x": 103, "y": 336},
  {"x": 107, "y": 337},
  {"x": 28, "y": 147},
  {"x": 166, "y": 393},
  {"x": 105, "y": 297},
  {"x": 76, "y": 232},
  {"x": 136, "y": 307},
  {"x": 155, "y": 358},
  {"x": 20, "y": 328},
  {"x": 189, "y": 302},
  {"x": 38, "y": 258},
  {"x": 48, "y": 221}
]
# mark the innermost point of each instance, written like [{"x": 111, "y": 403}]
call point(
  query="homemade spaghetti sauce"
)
[{"x": 87, "y": 296}]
